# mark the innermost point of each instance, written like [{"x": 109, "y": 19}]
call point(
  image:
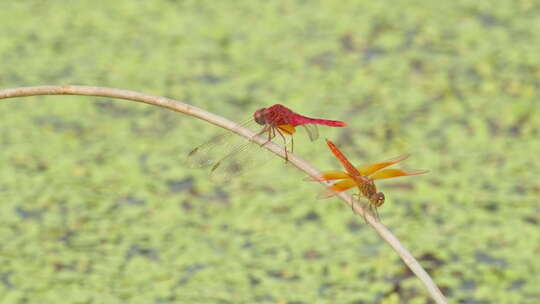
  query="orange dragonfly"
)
[{"x": 362, "y": 177}]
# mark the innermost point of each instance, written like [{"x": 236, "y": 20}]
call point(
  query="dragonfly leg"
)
[
  {"x": 284, "y": 144},
  {"x": 352, "y": 202},
  {"x": 375, "y": 212},
  {"x": 358, "y": 197},
  {"x": 368, "y": 209},
  {"x": 270, "y": 136}
]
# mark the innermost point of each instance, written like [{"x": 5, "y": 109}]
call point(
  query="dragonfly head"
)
[
  {"x": 377, "y": 199},
  {"x": 259, "y": 116}
]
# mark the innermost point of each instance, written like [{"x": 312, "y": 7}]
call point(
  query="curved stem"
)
[{"x": 174, "y": 105}]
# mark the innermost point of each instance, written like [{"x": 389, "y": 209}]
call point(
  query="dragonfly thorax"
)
[
  {"x": 366, "y": 185},
  {"x": 369, "y": 190}
]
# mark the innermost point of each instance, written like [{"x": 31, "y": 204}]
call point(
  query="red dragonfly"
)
[
  {"x": 362, "y": 177},
  {"x": 276, "y": 120}
]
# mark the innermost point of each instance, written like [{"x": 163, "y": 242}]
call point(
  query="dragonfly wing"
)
[
  {"x": 329, "y": 175},
  {"x": 389, "y": 173},
  {"x": 218, "y": 147},
  {"x": 289, "y": 129},
  {"x": 312, "y": 131},
  {"x": 249, "y": 157},
  {"x": 371, "y": 168},
  {"x": 336, "y": 188}
]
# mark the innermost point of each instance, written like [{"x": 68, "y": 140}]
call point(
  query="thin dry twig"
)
[{"x": 174, "y": 105}]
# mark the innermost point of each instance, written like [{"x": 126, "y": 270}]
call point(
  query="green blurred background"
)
[{"x": 98, "y": 206}]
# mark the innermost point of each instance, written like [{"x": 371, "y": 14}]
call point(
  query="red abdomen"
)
[
  {"x": 325, "y": 122},
  {"x": 280, "y": 115}
]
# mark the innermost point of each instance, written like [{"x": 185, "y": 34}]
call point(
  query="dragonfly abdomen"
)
[{"x": 324, "y": 122}]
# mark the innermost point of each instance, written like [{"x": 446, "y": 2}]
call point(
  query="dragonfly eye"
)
[
  {"x": 377, "y": 199},
  {"x": 259, "y": 116}
]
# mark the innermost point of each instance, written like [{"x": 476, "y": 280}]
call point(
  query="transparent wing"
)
[
  {"x": 312, "y": 131},
  {"x": 210, "y": 152},
  {"x": 229, "y": 154},
  {"x": 250, "y": 156}
]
